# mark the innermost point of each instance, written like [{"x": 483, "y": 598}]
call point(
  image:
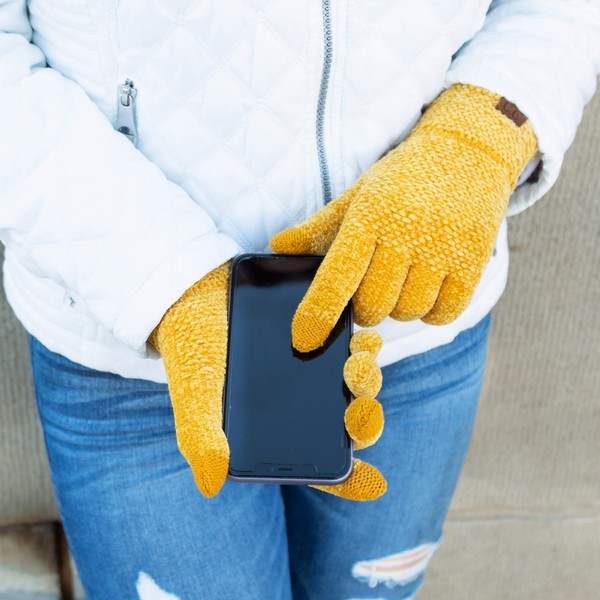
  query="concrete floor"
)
[{"x": 29, "y": 563}]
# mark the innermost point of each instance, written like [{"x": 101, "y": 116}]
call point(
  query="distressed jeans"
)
[{"x": 139, "y": 528}]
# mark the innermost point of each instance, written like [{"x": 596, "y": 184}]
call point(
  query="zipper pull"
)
[{"x": 126, "y": 111}]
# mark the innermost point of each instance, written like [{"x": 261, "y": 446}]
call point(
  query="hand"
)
[
  {"x": 192, "y": 339},
  {"x": 411, "y": 238}
]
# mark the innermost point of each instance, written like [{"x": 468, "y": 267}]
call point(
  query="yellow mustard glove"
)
[
  {"x": 411, "y": 238},
  {"x": 192, "y": 340},
  {"x": 363, "y": 418}
]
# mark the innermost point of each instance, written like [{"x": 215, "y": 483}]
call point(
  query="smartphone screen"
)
[{"x": 284, "y": 410}]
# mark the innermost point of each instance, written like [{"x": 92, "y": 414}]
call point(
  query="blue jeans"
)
[{"x": 137, "y": 524}]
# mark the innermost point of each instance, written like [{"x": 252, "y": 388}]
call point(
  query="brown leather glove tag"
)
[{"x": 510, "y": 110}]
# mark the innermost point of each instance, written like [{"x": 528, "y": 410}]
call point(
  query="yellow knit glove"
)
[
  {"x": 192, "y": 339},
  {"x": 410, "y": 239},
  {"x": 363, "y": 418}
]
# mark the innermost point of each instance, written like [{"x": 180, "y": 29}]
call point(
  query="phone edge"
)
[{"x": 280, "y": 480}]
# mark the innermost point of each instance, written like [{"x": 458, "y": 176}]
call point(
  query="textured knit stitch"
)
[
  {"x": 411, "y": 238},
  {"x": 364, "y": 417},
  {"x": 362, "y": 374},
  {"x": 364, "y": 421},
  {"x": 365, "y": 483},
  {"x": 366, "y": 339},
  {"x": 192, "y": 339}
]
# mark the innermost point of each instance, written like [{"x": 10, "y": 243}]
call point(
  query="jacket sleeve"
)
[
  {"x": 544, "y": 56},
  {"x": 81, "y": 206}
]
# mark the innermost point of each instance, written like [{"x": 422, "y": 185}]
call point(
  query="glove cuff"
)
[{"x": 486, "y": 120}]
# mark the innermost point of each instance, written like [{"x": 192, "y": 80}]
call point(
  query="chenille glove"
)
[
  {"x": 410, "y": 239},
  {"x": 363, "y": 418},
  {"x": 192, "y": 340}
]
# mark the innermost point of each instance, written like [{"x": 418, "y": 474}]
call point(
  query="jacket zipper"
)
[
  {"x": 126, "y": 108},
  {"x": 325, "y": 73},
  {"x": 126, "y": 111}
]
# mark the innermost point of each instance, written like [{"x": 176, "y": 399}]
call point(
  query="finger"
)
[
  {"x": 366, "y": 340},
  {"x": 378, "y": 292},
  {"x": 336, "y": 281},
  {"x": 365, "y": 483},
  {"x": 455, "y": 294},
  {"x": 362, "y": 374},
  {"x": 316, "y": 234},
  {"x": 418, "y": 294},
  {"x": 364, "y": 421}
]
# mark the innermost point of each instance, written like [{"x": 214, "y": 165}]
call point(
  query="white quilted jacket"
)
[{"x": 247, "y": 116}]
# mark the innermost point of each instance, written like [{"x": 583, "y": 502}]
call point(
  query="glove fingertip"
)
[
  {"x": 441, "y": 314},
  {"x": 369, "y": 484},
  {"x": 309, "y": 332},
  {"x": 367, "y": 340},
  {"x": 366, "y": 483},
  {"x": 362, "y": 374},
  {"x": 211, "y": 473},
  {"x": 207, "y": 454},
  {"x": 364, "y": 421}
]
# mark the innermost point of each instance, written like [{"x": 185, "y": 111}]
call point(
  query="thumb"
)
[
  {"x": 316, "y": 234},
  {"x": 192, "y": 339},
  {"x": 202, "y": 442}
]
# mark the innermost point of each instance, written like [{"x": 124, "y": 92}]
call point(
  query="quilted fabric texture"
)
[
  {"x": 229, "y": 96},
  {"x": 221, "y": 124},
  {"x": 192, "y": 339},
  {"x": 412, "y": 237}
]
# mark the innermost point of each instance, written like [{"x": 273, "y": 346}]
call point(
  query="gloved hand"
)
[
  {"x": 410, "y": 239},
  {"x": 192, "y": 339}
]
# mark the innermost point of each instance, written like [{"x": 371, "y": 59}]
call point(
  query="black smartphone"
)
[{"x": 283, "y": 410}]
